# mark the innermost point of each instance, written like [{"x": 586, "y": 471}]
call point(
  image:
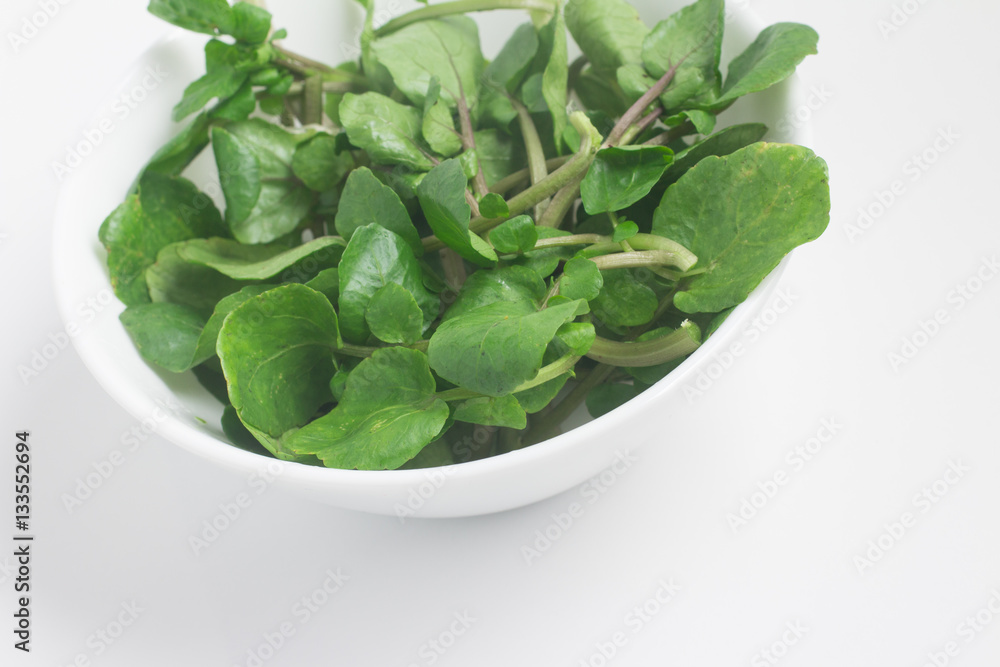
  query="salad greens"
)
[{"x": 425, "y": 256}]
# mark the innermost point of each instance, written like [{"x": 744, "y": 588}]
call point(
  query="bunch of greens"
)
[{"x": 426, "y": 257}]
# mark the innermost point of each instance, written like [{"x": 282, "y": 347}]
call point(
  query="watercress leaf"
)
[
  {"x": 516, "y": 235},
  {"x": 220, "y": 83},
  {"x": 619, "y": 177},
  {"x": 545, "y": 261},
  {"x": 741, "y": 214},
  {"x": 495, "y": 348},
  {"x": 493, "y": 206},
  {"x": 388, "y": 413},
  {"x": 173, "y": 279},
  {"x": 165, "y": 210},
  {"x": 385, "y": 129},
  {"x": 238, "y": 434},
  {"x": 165, "y": 334},
  {"x": 723, "y": 142},
  {"x": 175, "y": 155},
  {"x": 498, "y": 155},
  {"x": 206, "y": 16},
  {"x": 367, "y": 200},
  {"x": 241, "y": 184},
  {"x": 273, "y": 145},
  {"x": 238, "y": 106},
  {"x": 771, "y": 58},
  {"x": 374, "y": 258},
  {"x": 581, "y": 279},
  {"x": 555, "y": 75},
  {"x": 438, "y": 129},
  {"x": 490, "y": 411},
  {"x": 209, "y": 337},
  {"x": 538, "y": 398},
  {"x": 442, "y": 197},
  {"x": 318, "y": 164},
  {"x": 446, "y": 49},
  {"x": 604, "y": 398},
  {"x": 258, "y": 262},
  {"x": 509, "y": 284},
  {"x": 600, "y": 94},
  {"x": 394, "y": 316},
  {"x": 703, "y": 121},
  {"x": 634, "y": 81},
  {"x": 624, "y": 300},
  {"x": 625, "y": 230},
  {"x": 327, "y": 282},
  {"x": 609, "y": 32},
  {"x": 276, "y": 351},
  {"x": 249, "y": 23},
  {"x": 692, "y": 40},
  {"x": 509, "y": 67},
  {"x": 577, "y": 336}
]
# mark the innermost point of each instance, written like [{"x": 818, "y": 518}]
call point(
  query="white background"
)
[{"x": 882, "y": 97}]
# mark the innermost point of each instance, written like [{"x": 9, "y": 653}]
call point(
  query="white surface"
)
[{"x": 662, "y": 518}]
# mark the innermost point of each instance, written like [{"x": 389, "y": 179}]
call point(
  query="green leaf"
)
[
  {"x": 498, "y": 155},
  {"x": 495, "y": 348},
  {"x": 209, "y": 337},
  {"x": 367, "y": 200},
  {"x": 165, "y": 334},
  {"x": 327, "y": 282},
  {"x": 387, "y": 130},
  {"x": 609, "y": 32},
  {"x": 624, "y": 300},
  {"x": 555, "y": 75},
  {"x": 174, "y": 279},
  {"x": 374, "y": 258},
  {"x": 741, "y": 214},
  {"x": 442, "y": 198},
  {"x": 509, "y": 284},
  {"x": 703, "y": 121},
  {"x": 238, "y": 106},
  {"x": 488, "y": 411},
  {"x": 507, "y": 70},
  {"x": 493, "y": 206},
  {"x": 318, "y": 164},
  {"x": 544, "y": 262},
  {"x": 446, "y": 49},
  {"x": 238, "y": 434},
  {"x": 772, "y": 58},
  {"x": 581, "y": 279},
  {"x": 577, "y": 336},
  {"x": 516, "y": 235},
  {"x": 723, "y": 142},
  {"x": 604, "y": 398},
  {"x": 438, "y": 129},
  {"x": 619, "y": 177},
  {"x": 175, "y": 155},
  {"x": 276, "y": 351},
  {"x": 388, "y": 413},
  {"x": 258, "y": 262},
  {"x": 538, "y": 398},
  {"x": 206, "y": 16},
  {"x": 625, "y": 230},
  {"x": 241, "y": 184},
  {"x": 394, "y": 316},
  {"x": 249, "y": 23},
  {"x": 220, "y": 83},
  {"x": 692, "y": 39},
  {"x": 165, "y": 210}
]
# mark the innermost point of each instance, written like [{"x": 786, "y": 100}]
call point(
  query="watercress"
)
[{"x": 425, "y": 248}]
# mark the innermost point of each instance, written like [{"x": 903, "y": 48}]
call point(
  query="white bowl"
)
[{"x": 181, "y": 411}]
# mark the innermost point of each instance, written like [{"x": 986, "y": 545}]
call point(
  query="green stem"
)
[
  {"x": 312, "y": 103},
  {"x": 638, "y": 259},
  {"x": 356, "y": 350},
  {"x": 573, "y": 239},
  {"x": 533, "y": 147},
  {"x": 550, "y": 421},
  {"x": 545, "y": 374},
  {"x": 654, "y": 352},
  {"x": 560, "y": 204},
  {"x": 508, "y": 183},
  {"x": 686, "y": 258},
  {"x": 462, "y": 7}
]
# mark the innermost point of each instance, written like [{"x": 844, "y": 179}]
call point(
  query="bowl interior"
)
[{"x": 180, "y": 410}]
